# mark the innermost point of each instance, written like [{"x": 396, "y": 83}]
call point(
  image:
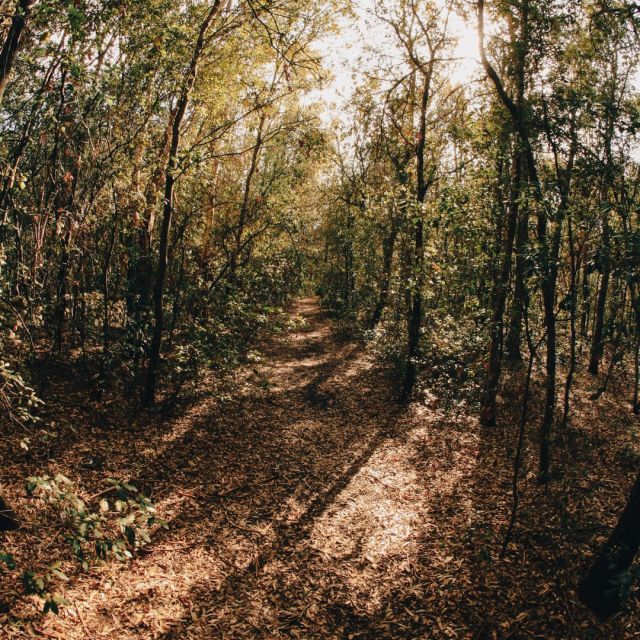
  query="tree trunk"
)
[
  {"x": 415, "y": 316},
  {"x": 12, "y": 42},
  {"x": 61, "y": 291},
  {"x": 635, "y": 308},
  {"x": 605, "y": 587},
  {"x": 585, "y": 294},
  {"x": 388, "y": 246},
  {"x": 170, "y": 179},
  {"x": 8, "y": 519},
  {"x": 520, "y": 45},
  {"x": 513, "y": 342},
  {"x": 105, "y": 304},
  {"x": 636, "y": 368},
  {"x": 573, "y": 294},
  {"x": 548, "y": 298},
  {"x": 597, "y": 344},
  {"x": 243, "y": 217},
  {"x": 501, "y": 289},
  {"x": 415, "y": 319}
]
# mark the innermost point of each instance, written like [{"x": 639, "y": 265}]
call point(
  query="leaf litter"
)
[{"x": 304, "y": 502}]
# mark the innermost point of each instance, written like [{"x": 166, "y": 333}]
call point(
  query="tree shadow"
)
[{"x": 270, "y": 458}]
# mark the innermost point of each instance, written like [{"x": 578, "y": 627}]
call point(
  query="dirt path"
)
[
  {"x": 287, "y": 511},
  {"x": 303, "y": 502}
]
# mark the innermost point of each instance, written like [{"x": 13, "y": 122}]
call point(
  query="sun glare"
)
[{"x": 347, "y": 56}]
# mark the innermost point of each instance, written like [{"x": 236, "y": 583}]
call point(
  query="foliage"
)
[
  {"x": 122, "y": 523},
  {"x": 168, "y": 184}
]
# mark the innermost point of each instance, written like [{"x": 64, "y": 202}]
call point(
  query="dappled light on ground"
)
[
  {"x": 370, "y": 535},
  {"x": 303, "y": 502}
]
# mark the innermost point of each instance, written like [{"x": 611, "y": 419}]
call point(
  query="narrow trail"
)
[
  {"x": 303, "y": 502},
  {"x": 293, "y": 508}
]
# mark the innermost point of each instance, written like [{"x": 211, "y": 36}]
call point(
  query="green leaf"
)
[
  {"x": 130, "y": 534},
  {"x": 8, "y": 560},
  {"x": 58, "y": 574},
  {"x": 51, "y": 605}
]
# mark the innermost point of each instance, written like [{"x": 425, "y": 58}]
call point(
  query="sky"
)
[{"x": 344, "y": 55}]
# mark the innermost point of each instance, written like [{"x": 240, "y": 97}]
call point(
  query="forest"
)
[{"x": 320, "y": 319}]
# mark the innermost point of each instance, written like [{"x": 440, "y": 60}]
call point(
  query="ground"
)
[{"x": 303, "y": 501}]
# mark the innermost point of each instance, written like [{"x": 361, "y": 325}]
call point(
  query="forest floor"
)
[{"x": 303, "y": 502}]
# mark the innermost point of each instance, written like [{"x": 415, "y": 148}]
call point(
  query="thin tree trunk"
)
[
  {"x": 501, "y": 289},
  {"x": 548, "y": 299},
  {"x": 513, "y": 352},
  {"x": 636, "y": 367},
  {"x": 572, "y": 326},
  {"x": 61, "y": 291},
  {"x": 520, "y": 445},
  {"x": 586, "y": 306},
  {"x": 388, "y": 246},
  {"x": 167, "y": 214},
  {"x": 12, "y": 42},
  {"x": 246, "y": 195},
  {"x": 597, "y": 344},
  {"x": 520, "y": 45},
  {"x": 415, "y": 317},
  {"x": 105, "y": 303}
]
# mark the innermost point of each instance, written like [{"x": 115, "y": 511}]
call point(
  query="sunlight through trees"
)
[{"x": 457, "y": 182}]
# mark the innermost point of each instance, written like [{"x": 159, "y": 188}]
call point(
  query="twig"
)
[
  {"x": 84, "y": 626},
  {"x": 24, "y": 326},
  {"x": 235, "y": 525},
  {"x": 47, "y": 634},
  {"x": 101, "y": 493},
  {"x": 517, "y": 462}
]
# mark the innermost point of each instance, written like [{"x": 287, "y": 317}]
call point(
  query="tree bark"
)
[
  {"x": 170, "y": 179},
  {"x": 597, "y": 344},
  {"x": 8, "y": 519},
  {"x": 605, "y": 586},
  {"x": 388, "y": 246},
  {"x": 415, "y": 316},
  {"x": 501, "y": 289},
  {"x": 243, "y": 217},
  {"x": 513, "y": 352},
  {"x": 12, "y": 42},
  {"x": 548, "y": 299},
  {"x": 573, "y": 294}
]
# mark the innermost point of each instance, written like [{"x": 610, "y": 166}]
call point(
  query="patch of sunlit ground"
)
[
  {"x": 370, "y": 535},
  {"x": 305, "y": 336},
  {"x": 152, "y": 595},
  {"x": 373, "y": 534}
]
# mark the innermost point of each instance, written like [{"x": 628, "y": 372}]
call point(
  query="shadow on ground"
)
[{"x": 303, "y": 502}]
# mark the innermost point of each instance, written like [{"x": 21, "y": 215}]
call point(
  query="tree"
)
[
  {"x": 607, "y": 583},
  {"x": 422, "y": 33},
  {"x": 12, "y": 41},
  {"x": 170, "y": 178}
]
